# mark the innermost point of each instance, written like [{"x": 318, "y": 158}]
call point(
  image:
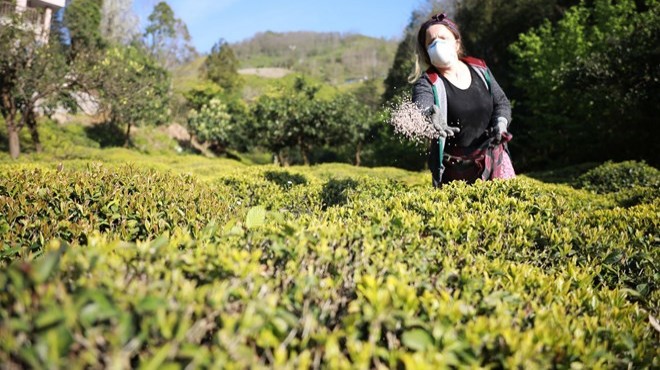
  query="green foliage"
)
[
  {"x": 334, "y": 58},
  {"x": 285, "y": 179},
  {"x": 72, "y": 205},
  {"x": 297, "y": 118},
  {"x": 221, "y": 67},
  {"x": 289, "y": 118},
  {"x": 217, "y": 118},
  {"x": 336, "y": 192},
  {"x": 202, "y": 93},
  {"x": 243, "y": 273},
  {"x": 162, "y": 23},
  {"x": 167, "y": 37},
  {"x": 590, "y": 82},
  {"x": 487, "y": 30},
  {"x": 154, "y": 140},
  {"x": 133, "y": 88},
  {"x": 396, "y": 82},
  {"x": 31, "y": 75},
  {"x": 612, "y": 177},
  {"x": 82, "y": 19},
  {"x": 212, "y": 123}
]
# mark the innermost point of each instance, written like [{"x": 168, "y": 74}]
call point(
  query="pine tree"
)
[{"x": 221, "y": 67}]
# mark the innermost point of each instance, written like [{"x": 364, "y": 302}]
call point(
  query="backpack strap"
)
[
  {"x": 435, "y": 81},
  {"x": 438, "y": 99},
  {"x": 480, "y": 66}
]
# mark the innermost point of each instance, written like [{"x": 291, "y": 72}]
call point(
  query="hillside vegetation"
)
[
  {"x": 334, "y": 57},
  {"x": 331, "y": 57}
]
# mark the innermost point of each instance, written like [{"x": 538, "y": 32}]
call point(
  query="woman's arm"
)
[
  {"x": 502, "y": 106},
  {"x": 423, "y": 93}
]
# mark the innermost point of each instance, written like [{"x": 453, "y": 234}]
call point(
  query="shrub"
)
[
  {"x": 336, "y": 191},
  {"x": 39, "y": 205},
  {"x": 612, "y": 177},
  {"x": 285, "y": 179},
  {"x": 356, "y": 272}
]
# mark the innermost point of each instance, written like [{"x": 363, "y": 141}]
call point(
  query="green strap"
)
[
  {"x": 441, "y": 140},
  {"x": 487, "y": 75}
]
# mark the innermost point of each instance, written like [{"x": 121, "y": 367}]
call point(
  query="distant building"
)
[{"x": 37, "y": 14}]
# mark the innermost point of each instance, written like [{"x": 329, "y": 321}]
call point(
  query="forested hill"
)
[{"x": 334, "y": 57}]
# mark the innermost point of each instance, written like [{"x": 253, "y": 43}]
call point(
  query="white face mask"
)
[{"x": 442, "y": 53}]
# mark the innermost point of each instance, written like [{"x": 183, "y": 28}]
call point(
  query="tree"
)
[
  {"x": 132, "y": 87},
  {"x": 289, "y": 118},
  {"x": 359, "y": 116},
  {"x": 297, "y": 119},
  {"x": 167, "y": 37},
  {"x": 591, "y": 84},
  {"x": 202, "y": 93},
  {"x": 489, "y": 27},
  {"x": 82, "y": 19},
  {"x": 221, "y": 67},
  {"x": 119, "y": 24},
  {"x": 31, "y": 75},
  {"x": 212, "y": 124},
  {"x": 396, "y": 82}
]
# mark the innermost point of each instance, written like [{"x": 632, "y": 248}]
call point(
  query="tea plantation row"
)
[{"x": 115, "y": 267}]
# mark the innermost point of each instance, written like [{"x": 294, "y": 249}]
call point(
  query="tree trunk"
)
[
  {"x": 32, "y": 126},
  {"x": 9, "y": 114},
  {"x": 282, "y": 158},
  {"x": 358, "y": 153},
  {"x": 303, "y": 151},
  {"x": 305, "y": 155},
  {"x": 128, "y": 135},
  {"x": 14, "y": 143}
]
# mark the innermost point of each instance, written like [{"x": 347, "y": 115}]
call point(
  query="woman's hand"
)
[
  {"x": 500, "y": 128},
  {"x": 436, "y": 120}
]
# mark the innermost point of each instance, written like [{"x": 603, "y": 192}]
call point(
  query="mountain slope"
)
[
  {"x": 336, "y": 59},
  {"x": 333, "y": 57}
]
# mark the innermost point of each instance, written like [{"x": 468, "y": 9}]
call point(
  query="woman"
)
[{"x": 464, "y": 103}]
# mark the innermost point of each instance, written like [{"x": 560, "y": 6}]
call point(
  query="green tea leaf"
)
[
  {"x": 417, "y": 339},
  {"x": 49, "y": 318},
  {"x": 256, "y": 217}
]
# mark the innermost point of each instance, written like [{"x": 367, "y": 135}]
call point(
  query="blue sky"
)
[{"x": 237, "y": 20}]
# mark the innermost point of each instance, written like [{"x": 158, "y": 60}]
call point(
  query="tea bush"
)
[
  {"x": 38, "y": 205},
  {"x": 612, "y": 177},
  {"x": 128, "y": 267},
  {"x": 285, "y": 179}
]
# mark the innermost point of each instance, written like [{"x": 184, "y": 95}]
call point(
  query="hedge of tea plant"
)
[
  {"x": 115, "y": 267},
  {"x": 613, "y": 177}
]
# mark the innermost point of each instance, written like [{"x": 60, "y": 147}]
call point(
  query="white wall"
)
[{"x": 48, "y": 3}]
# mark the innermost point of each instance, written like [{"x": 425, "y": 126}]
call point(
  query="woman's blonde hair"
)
[{"x": 422, "y": 60}]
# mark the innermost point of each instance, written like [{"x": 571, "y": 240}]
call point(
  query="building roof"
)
[{"x": 49, "y": 3}]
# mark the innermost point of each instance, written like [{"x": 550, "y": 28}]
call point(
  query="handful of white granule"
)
[{"x": 410, "y": 122}]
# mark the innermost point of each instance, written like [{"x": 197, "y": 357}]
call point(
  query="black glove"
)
[{"x": 443, "y": 129}]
